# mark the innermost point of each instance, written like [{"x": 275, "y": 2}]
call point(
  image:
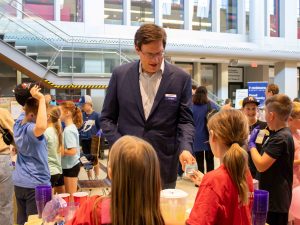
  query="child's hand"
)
[
  {"x": 35, "y": 92},
  {"x": 253, "y": 135},
  {"x": 196, "y": 177}
]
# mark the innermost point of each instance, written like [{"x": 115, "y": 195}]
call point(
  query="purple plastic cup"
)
[
  {"x": 260, "y": 207},
  {"x": 43, "y": 194}
]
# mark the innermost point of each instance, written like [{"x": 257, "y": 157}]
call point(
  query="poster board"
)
[
  {"x": 258, "y": 90},
  {"x": 240, "y": 94}
]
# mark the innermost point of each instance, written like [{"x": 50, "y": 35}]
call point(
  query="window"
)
[
  {"x": 113, "y": 12},
  {"x": 202, "y": 15},
  {"x": 71, "y": 10},
  {"x": 173, "y": 14},
  {"x": 228, "y": 14},
  {"x": 42, "y": 8},
  {"x": 273, "y": 12},
  {"x": 298, "y": 20},
  {"x": 247, "y": 8},
  {"x": 142, "y": 11}
]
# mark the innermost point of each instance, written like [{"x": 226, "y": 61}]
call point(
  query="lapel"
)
[
  {"x": 164, "y": 84},
  {"x": 135, "y": 87}
]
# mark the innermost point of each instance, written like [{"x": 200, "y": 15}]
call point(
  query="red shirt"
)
[{"x": 217, "y": 201}]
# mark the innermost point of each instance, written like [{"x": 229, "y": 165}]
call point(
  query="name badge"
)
[{"x": 171, "y": 97}]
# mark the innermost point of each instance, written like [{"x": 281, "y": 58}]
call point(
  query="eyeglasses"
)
[{"x": 153, "y": 55}]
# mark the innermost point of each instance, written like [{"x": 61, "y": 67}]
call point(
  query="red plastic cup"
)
[
  {"x": 80, "y": 197},
  {"x": 65, "y": 196}
]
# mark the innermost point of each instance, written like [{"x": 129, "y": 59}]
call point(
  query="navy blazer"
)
[{"x": 169, "y": 127}]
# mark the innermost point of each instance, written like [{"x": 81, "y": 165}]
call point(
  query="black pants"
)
[
  {"x": 209, "y": 158},
  {"x": 25, "y": 203},
  {"x": 275, "y": 218}
]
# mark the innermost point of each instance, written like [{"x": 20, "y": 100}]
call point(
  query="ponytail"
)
[
  {"x": 58, "y": 128},
  {"x": 54, "y": 118},
  {"x": 236, "y": 162},
  {"x": 77, "y": 117}
]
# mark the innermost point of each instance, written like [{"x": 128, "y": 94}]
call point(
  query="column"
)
[
  {"x": 188, "y": 14},
  {"x": 241, "y": 17},
  {"x": 57, "y": 10},
  {"x": 158, "y": 12},
  {"x": 19, "y": 77},
  {"x": 197, "y": 73},
  {"x": 286, "y": 78},
  {"x": 127, "y": 12},
  {"x": 93, "y": 15},
  {"x": 215, "y": 15},
  {"x": 288, "y": 21},
  {"x": 19, "y": 9},
  {"x": 222, "y": 85},
  {"x": 257, "y": 21}
]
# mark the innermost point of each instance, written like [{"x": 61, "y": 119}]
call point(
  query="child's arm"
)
[
  {"x": 70, "y": 151},
  {"x": 262, "y": 163},
  {"x": 41, "y": 119}
]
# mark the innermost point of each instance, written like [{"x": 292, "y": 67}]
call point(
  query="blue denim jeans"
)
[{"x": 6, "y": 190}]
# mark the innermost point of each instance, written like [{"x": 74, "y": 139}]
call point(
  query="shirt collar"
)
[{"x": 162, "y": 68}]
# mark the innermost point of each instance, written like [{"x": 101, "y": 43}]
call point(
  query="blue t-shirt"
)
[
  {"x": 91, "y": 125},
  {"x": 71, "y": 140},
  {"x": 32, "y": 161}
]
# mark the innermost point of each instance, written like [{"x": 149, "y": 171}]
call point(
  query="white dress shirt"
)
[{"x": 149, "y": 85}]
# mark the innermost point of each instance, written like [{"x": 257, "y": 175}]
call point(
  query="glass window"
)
[
  {"x": 202, "y": 15},
  {"x": 228, "y": 14},
  {"x": 71, "y": 10},
  {"x": 142, "y": 11},
  {"x": 273, "y": 12},
  {"x": 298, "y": 20},
  {"x": 247, "y": 8},
  {"x": 113, "y": 11},
  {"x": 44, "y": 9},
  {"x": 173, "y": 14}
]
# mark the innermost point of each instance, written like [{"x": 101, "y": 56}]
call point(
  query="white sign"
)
[
  {"x": 240, "y": 94},
  {"x": 235, "y": 74}
]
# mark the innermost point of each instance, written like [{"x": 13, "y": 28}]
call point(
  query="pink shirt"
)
[{"x": 296, "y": 169}]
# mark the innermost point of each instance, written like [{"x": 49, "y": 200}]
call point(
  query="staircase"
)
[{"x": 48, "y": 55}]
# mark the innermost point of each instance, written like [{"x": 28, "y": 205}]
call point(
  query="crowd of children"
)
[{"x": 49, "y": 154}]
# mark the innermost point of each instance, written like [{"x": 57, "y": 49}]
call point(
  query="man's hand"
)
[{"x": 186, "y": 158}]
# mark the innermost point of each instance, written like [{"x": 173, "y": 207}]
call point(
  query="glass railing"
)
[{"x": 68, "y": 54}]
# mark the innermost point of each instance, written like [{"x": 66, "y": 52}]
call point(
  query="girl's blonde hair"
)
[
  {"x": 54, "y": 113},
  {"x": 231, "y": 128},
  {"x": 136, "y": 184},
  {"x": 76, "y": 112},
  {"x": 296, "y": 110}
]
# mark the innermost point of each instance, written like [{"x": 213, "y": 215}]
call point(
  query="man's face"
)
[
  {"x": 151, "y": 56},
  {"x": 250, "y": 110}
]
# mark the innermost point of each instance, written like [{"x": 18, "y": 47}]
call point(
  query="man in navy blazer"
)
[{"x": 151, "y": 99}]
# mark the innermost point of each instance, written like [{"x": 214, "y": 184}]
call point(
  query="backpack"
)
[{"x": 210, "y": 111}]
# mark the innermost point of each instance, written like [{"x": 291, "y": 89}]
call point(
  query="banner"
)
[{"x": 258, "y": 90}]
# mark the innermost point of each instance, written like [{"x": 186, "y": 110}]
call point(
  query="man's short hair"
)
[
  {"x": 148, "y": 33},
  {"x": 281, "y": 104},
  {"x": 273, "y": 88}
]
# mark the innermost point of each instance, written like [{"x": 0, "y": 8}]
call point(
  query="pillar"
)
[{"x": 222, "y": 81}]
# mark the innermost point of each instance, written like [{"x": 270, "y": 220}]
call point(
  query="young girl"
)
[
  {"x": 72, "y": 117},
  {"x": 223, "y": 196},
  {"x": 294, "y": 125},
  {"x": 53, "y": 135},
  {"x": 135, "y": 192}
]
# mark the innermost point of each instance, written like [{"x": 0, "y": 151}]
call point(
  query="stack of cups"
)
[
  {"x": 260, "y": 207},
  {"x": 43, "y": 194}
]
